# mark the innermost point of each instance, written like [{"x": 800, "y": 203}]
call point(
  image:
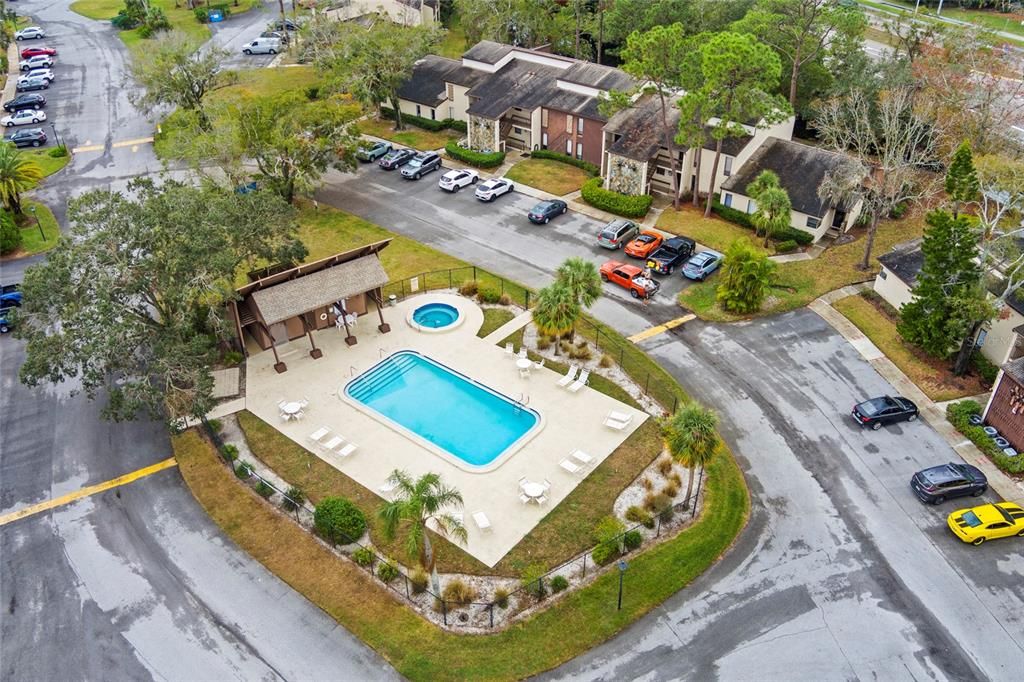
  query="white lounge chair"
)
[
  {"x": 334, "y": 442},
  {"x": 581, "y": 382},
  {"x": 509, "y": 349},
  {"x": 481, "y": 520},
  {"x": 581, "y": 456},
  {"x": 570, "y": 467},
  {"x": 617, "y": 420},
  {"x": 319, "y": 434},
  {"x": 347, "y": 450},
  {"x": 570, "y": 374}
]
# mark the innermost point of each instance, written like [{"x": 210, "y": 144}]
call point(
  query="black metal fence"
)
[
  {"x": 490, "y": 287},
  {"x": 457, "y": 613}
]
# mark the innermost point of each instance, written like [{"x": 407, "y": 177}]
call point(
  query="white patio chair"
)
[
  {"x": 522, "y": 481},
  {"x": 570, "y": 374},
  {"x": 281, "y": 403},
  {"x": 524, "y": 373},
  {"x": 581, "y": 457},
  {"x": 509, "y": 350},
  {"x": 481, "y": 520},
  {"x": 304, "y": 402},
  {"x": 334, "y": 442},
  {"x": 570, "y": 467},
  {"x": 542, "y": 499},
  {"x": 539, "y": 364},
  {"x": 523, "y": 498},
  {"x": 581, "y": 382},
  {"x": 522, "y": 352},
  {"x": 319, "y": 434},
  {"x": 547, "y": 484}
]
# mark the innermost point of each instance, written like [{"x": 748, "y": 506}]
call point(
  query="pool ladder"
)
[{"x": 521, "y": 402}]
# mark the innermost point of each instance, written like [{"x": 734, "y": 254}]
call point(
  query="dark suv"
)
[
  {"x": 935, "y": 485},
  {"x": 673, "y": 252},
  {"x": 27, "y": 137},
  {"x": 27, "y": 100},
  {"x": 421, "y": 164}
]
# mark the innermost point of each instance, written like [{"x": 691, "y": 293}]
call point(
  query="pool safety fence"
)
[
  {"x": 456, "y": 614},
  {"x": 490, "y": 287}
]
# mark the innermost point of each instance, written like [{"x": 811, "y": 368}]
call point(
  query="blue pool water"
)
[
  {"x": 460, "y": 416},
  {"x": 435, "y": 315}
]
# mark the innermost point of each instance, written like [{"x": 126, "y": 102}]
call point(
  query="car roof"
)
[
  {"x": 676, "y": 242},
  {"x": 942, "y": 473},
  {"x": 630, "y": 270},
  {"x": 701, "y": 258},
  {"x": 491, "y": 182}
]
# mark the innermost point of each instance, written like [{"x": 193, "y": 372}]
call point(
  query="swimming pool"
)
[
  {"x": 435, "y": 317},
  {"x": 467, "y": 420}
]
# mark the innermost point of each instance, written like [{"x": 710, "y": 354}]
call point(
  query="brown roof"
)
[{"x": 297, "y": 296}]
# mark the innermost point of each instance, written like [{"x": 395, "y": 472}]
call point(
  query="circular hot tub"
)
[{"x": 435, "y": 317}]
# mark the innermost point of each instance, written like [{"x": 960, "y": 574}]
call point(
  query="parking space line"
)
[
  {"x": 31, "y": 510},
  {"x": 661, "y": 328}
]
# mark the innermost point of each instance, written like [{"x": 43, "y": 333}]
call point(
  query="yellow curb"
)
[
  {"x": 85, "y": 492},
  {"x": 661, "y": 328}
]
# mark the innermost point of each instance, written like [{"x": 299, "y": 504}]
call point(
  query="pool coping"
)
[{"x": 503, "y": 457}]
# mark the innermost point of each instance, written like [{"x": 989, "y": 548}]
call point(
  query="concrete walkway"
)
[
  {"x": 510, "y": 327},
  {"x": 934, "y": 414}
]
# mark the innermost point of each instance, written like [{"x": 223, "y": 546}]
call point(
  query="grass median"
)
[
  {"x": 548, "y": 175},
  {"x": 713, "y": 232},
  {"x": 411, "y": 136}
]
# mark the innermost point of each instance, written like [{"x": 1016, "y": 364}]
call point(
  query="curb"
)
[{"x": 932, "y": 413}]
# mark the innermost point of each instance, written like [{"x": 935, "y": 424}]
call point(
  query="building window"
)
[
  {"x": 544, "y": 117},
  {"x": 579, "y": 150},
  {"x": 665, "y": 171},
  {"x": 812, "y": 223},
  {"x": 881, "y": 274},
  {"x": 418, "y": 112},
  {"x": 544, "y": 140},
  {"x": 451, "y": 112},
  {"x": 568, "y": 147},
  {"x": 449, "y": 90},
  {"x": 727, "y": 199},
  {"x": 517, "y": 131},
  {"x": 728, "y": 166},
  {"x": 751, "y": 205},
  {"x": 568, "y": 125},
  {"x": 579, "y": 126}
]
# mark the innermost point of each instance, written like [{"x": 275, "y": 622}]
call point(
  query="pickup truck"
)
[
  {"x": 629, "y": 277},
  {"x": 673, "y": 252}
]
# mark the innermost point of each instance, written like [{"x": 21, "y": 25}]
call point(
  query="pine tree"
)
[{"x": 961, "y": 178}]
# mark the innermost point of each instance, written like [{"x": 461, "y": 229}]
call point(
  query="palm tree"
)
[
  {"x": 18, "y": 173},
  {"x": 773, "y": 205},
  {"x": 556, "y": 311},
  {"x": 582, "y": 280},
  {"x": 415, "y": 503},
  {"x": 691, "y": 438}
]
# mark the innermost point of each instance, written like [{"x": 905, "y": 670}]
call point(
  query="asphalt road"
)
[{"x": 842, "y": 573}]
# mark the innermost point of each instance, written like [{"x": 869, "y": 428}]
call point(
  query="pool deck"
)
[{"x": 570, "y": 420}]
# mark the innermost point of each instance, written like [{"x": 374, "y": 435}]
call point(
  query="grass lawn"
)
[
  {"x": 47, "y": 163},
  {"x": 417, "y": 649},
  {"x": 931, "y": 376},
  {"x": 181, "y": 18},
  {"x": 454, "y": 43},
  {"x": 417, "y": 138},
  {"x": 493, "y": 319},
  {"x": 548, "y": 175},
  {"x": 31, "y": 241},
  {"x": 713, "y": 232},
  {"x": 799, "y": 283}
]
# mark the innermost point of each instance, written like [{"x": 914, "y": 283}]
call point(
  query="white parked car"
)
[
  {"x": 454, "y": 180},
  {"x": 40, "y": 61},
  {"x": 37, "y": 73},
  {"x": 493, "y": 188},
  {"x": 20, "y": 118},
  {"x": 30, "y": 33},
  {"x": 262, "y": 46}
]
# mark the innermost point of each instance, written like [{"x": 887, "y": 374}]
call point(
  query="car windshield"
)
[
  {"x": 541, "y": 207},
  {"x": 416, "y": 162},
  {"x": 971, "y": 519},
  {"x": 1006, "y": 515}
]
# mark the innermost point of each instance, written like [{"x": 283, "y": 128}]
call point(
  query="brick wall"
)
[{"x": 1006, "y": 413}]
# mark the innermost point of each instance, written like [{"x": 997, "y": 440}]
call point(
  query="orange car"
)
[{"x": 644, "y": 245}]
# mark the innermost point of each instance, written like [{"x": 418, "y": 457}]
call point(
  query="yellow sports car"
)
[{"x": 987, "y": 522}]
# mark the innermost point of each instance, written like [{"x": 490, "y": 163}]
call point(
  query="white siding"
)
[
  {"x": 892, "y": 289},
  {"x": 1000, "y": 339}
]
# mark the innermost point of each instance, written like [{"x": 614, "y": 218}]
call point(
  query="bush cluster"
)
[
  {"x": 632, "y": 540},
  {"x": 458, "y": 592},
  {"x": 743, "y": 220},
  {"x": 339, "y": 521},
  {"x": 244, "y": 470},
  {"x": 565, "y": 158},
  {"x": 387, "y": 571},
  {"x": 469, "y": 287},
  {"x": 418, "y": 581},
  {"x": 501, "y": 598},
  {"x": 488, "y": 295},
  {"x": 533, "y": 581},
  {"x": 613, "y": 202},
  {"x": 559, "y": 583},
  {"x": 959, "y": 415},
  {"x": 229, "y": 452},
  {"x": 985, "y": 369},
  {"x": 478, "y": 159},
  {"x": 293, "y": 499},
  {"x": 787, "y": 246},
  {"x": 263, "y": 489},
  {"x": 639, "y": 515},
  {"x": 426, "y": 123}
]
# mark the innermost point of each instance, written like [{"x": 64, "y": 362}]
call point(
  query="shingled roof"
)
[
  {"x": 429, "y": 75},
  {"x": 640, "y": 130},
  {"x": 800, "y": 168},
  {"x": 905, "y": 261}
]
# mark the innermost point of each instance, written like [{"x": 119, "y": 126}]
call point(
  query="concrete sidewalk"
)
[{"x": 935, "y": 414}]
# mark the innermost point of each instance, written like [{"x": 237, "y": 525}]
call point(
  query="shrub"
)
[
  {"x": 202, "y": 16},
  {"x": 363, "y": 556},
  {"x": 263, "y": 489},
  {"x": 501, "y": 598},
  {"x": 613, "y": 202},
  {"x": 505, "y": 299},
  {"x": 339, "y": 521},
  {"x": 229, "y": 452},
  {"x": 243, "y": 470},
  {"x": 565, "y": 158},
  {"x": 387, "y": 571},
  {"x": 469, "y": 287},
  {"x": 559, "y": 583},
  {"x": 533, "y": 581},
  {"x": 418, "y": 581},
  {"x": 632, "y": 540},
  {"x": 647, "y": 484},
  {"x": 293, "y": 499},
  {"x": 676, "y": 478},
  {"x": 787, "y": 246},
  {"x": 565, "y": 347},
  {"x": 578, "y": 353},
  {"x": 232, "y": 358},
  {"x": 670, "y": 489},
  {"x": 458, "y": 592},
  {"x": 473, "y": 158},
  {"x": 57, "y": 152},
  {"x": 488, "y": 295},
  {"x": 608, "y": 530},
  {"x": 743, "y": 220},
  {"x": 606, "y": 361},
  {"x": 665, "y": 465},
  {"x": 985, "y": 369},
  {"x": 603, "y": 554},
  {"x": 666, "y": 514},
  {"x": 543, "y": 343},
  {"x": 650, "y": 502},
  {"x": 898, "y": 211},
  {"x": 638, "y": 515},
  {"x": 216, "y": 425},
  {"x": 959, "y": 414},
  {"x": 313, "y": 92}
]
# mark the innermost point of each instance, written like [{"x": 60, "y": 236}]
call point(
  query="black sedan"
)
[
  {"x": 884, "y": 410},
  {"x": 28, "y": 100},
  {"x": 935, "y": 485},
  {"x": 396, "y": 158},
  {"x": 28, "y": 137},
  {"x": 543, "y": 212},
  {"x": 672, "y": 253}
]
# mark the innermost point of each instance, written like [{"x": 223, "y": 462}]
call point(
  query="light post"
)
[
  {"x": 56, "y": 137},
  {"x": 32, "y": 210},
  {"x": 622, "y": 571}
]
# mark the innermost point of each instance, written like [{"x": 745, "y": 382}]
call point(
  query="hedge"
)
[
  {"x": 339, "y": 521},
  {"x": 478, "y": 159},
  {"x": 613, "y": 202},
  {"x": 743, "y": 220},
  {"x": 426, "y": 123},
  {"x": 565, "y": 158},
  {"x": 959, "y": 415}
]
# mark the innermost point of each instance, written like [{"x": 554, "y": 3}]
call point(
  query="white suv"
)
[
  {"x": 30, "y": 33},
  {"x": 454, "y": 180},
  {"x": 40, "y": 61}
]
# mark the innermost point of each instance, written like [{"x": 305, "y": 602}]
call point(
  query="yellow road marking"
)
[
  {"x": 661, "y": 328},
  {"x": 129, "y": 143},
  {"x": 85, "y": 492},
  {"x": 88, "y": 148},
  {"x": 134, "y": 144}
]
